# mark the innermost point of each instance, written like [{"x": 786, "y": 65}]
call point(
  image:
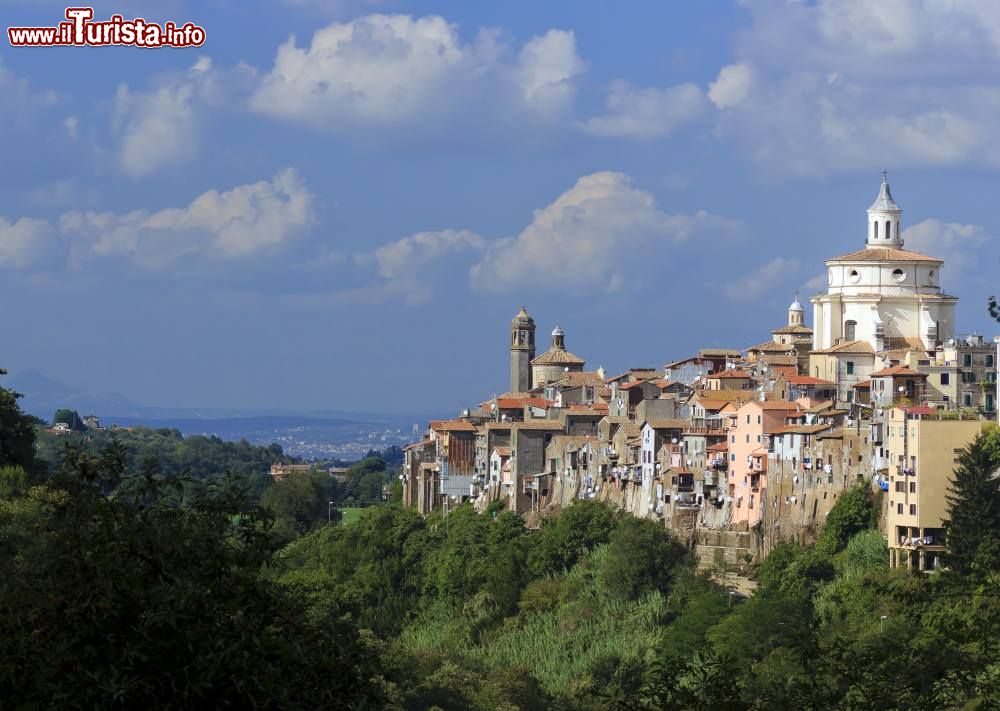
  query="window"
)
[
  {"x": 853, "y": 276},
  {"x": 748, "y": 419},
  {"x": 967, "y": 360},
  {"x": 876, "y": 230},
  {"x": 898, "y": 274},
  {"x": 967, "y": 400},
  {"x": 913, "y": 487},
  {"x": 945, "y": 379},
  {"x": 899, "y": 508},
  {"x": 989, "y": 360},
  {"x": 850, "y": 330},
  {"x": 748, "y": 439},
  {"x": 850, "y": 367},
  {"x": 888, "y": 230},
  {"x": 732, "y": 457},
  {"x": 913, "y": 509},
  {"x": 758, "y": 419}
]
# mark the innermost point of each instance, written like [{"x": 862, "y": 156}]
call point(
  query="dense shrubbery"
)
[{"x": 127, "y": 585}]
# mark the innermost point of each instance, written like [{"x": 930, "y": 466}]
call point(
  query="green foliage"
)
[
  {"x": 17, "y": 433},
  {"x": 299, "y": 503},
  {"x": 70, "y": 418},
  {"x": 854, "y": 511},
  {"x": 973, "y": 525},
  {"x": 642, "y": 557},
  {"x": 565, "y": 538},
  {"x": 153, "y": 598}
]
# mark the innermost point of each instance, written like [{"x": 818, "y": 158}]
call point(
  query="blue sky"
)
[{"x": 342, "y": 204}]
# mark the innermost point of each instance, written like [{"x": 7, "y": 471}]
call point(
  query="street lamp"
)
[
  {"x": 731, "y": 593},
  {"x": 329, "y": 513},
  {"x": 881, "y": 622}
]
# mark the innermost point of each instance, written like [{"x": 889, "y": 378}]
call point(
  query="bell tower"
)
[
  {"x": 522, "y": 351},
  {"x": 884, "y": 218}
]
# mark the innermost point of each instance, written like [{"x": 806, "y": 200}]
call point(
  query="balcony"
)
[
  {"x": 906, "y": 471},
  {"x": 758, "y": 465},
  {"x": 718, "y": 463}
]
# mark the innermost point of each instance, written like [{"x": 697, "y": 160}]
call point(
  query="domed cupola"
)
[
  {"x": 884, "y": 219},
  {"x": 796, "y": 313}
]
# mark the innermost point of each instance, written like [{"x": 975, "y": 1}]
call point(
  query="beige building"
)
[
  {"x": 844, "y": 364},
  {"x": 555, "y": 363},
  {"x": 923, "y": 448}
]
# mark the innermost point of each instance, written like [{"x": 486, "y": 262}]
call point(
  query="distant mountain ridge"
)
[{"x": 43, "y": 396}]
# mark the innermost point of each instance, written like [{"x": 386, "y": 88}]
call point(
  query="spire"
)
[
  {"x": 884, "y": 218},
  {"x": 884, "y": 201}
]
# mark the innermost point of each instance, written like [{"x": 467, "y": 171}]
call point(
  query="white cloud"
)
[
  {"x": 414, "y": 265},
  {"x": 396, "y": 70},
  {"x": 732, "y": 86},
  {"x": 600, "y": 235},
  {"x": 647, "y": 113},
  {"x": 848, "y": 84},
  {"x": 67, "y": 193},
  {"x": 24, "y": 243},
  {"x": 762, "y": 280},
  {"x": 236, "y": 223},
  {"x": 162, "y": 127},
  {"x": 962, "y": 247},
  {"x": 21, "y": 103}
]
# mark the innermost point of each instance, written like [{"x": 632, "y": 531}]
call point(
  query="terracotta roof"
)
[
  {"x": 898, "y": 370},
  {"x": 719, "y": 447},
  {"x": 771, "y": 347},
  {"x": 572, "y": 442},
  {"x": 421, "y": 443},
  {"x": 801, "y": 429},
  {"x": 731, "y": 374},
  {"x": 668, "y": 424},
  {"x": 632, "y": 429},
  {"x": 539, "y": 425},
  {"x": 499, "y": 425},
  {"x": 517, "y": 395},
  {"x": 884, "y": 254},
  {"x": 726, "y": 395},
  {"x": 675, "y": 363},
  {"x": 774, "y": 404},
  {"x": 819, "y": 406},
  {"x": 864, "y": 384},
  {"x": 796, "y": 329},
  {"x": 586, "y": 412},
  {"x": 557, "y": 356},
  {"x": 452, "y": 426},
  {"x": 920, "y": 410},
  {"x": 635, "y": 384},
  {"x": 603, "y": 391},
  {"x": 779, "y": 359},
  {"x": 579, "y": 378},
  {"x": 502, "y": 451},
  {"x": 849, "y": 347},
  {"x": 616, "y": 419},
  {"x": 807, "y": 380},
  {"x": 719, "y": 353}
]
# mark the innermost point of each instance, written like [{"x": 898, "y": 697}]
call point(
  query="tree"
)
[
  {"x": 973, "y": 523},
  {"x": 17, "y": 433},
  {"x": 566, "y": 537},
  {"x": 299, "y": 502},
  {"x": 153, "y": 598},
  {"x": 643, "y": 556},
  {"x": 70, "y": 418}
]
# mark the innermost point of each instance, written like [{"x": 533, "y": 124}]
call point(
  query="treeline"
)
[{"x": 137, "y": 588}]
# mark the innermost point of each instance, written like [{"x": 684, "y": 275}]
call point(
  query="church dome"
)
[
  {"x": 557, "y": 331},
  {"x": 796, "y": 305}
]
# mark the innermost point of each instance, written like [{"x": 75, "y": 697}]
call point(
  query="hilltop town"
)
[{"x": 738, "y": 449}]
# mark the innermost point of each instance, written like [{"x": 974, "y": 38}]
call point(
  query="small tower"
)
[
  {"x": 522, "y": 351},
  {"x": 796, "y": 314},
  {"x": 558, "y": 339},
  {"x": 884, "y": 218}
]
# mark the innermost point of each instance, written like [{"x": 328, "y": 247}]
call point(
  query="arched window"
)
[
  {"x": 850, "y": 330},
  {"x": 876, "y": 230},
  {"x": 888, "y": 230}
]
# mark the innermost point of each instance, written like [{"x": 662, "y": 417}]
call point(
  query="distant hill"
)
[{"x": 43, "y": 396}]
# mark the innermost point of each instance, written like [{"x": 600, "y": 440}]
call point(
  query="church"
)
[{"x": 883, "y": 295}]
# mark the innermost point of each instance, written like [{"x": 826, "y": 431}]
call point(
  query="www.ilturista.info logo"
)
[{"x": 80, "y": 31}]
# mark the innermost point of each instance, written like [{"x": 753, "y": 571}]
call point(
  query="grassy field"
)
[{"x": 350, "y": 515}]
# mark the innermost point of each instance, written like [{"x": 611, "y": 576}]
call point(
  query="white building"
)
[{"x": 884, "y": 295}]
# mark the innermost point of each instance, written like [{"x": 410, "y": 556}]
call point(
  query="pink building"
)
[{"x": 749, "y": 443}]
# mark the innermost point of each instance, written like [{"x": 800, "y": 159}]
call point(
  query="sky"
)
[{"x": 340, "y": 204}]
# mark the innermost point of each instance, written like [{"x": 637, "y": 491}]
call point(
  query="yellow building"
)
[{"x": 923, "y": 448}]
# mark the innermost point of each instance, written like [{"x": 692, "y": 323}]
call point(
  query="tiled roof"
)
[
  {"x": 850, "y": 347},
  {"x": 864, "y": 384},
  {"x": 731, "y": 374},
  {"x": 452, "y": 426},
  {"x": 772, "y": 347},
  {"x": 920, "y": 410},
  {"x": 775, "y": 405},
  {"x": 552, "y": 425},
  {"x": 502, "y": 451},
  {"x": 421, "y": 443},
  {"x": 668, "y": 424},
  {"x": 802, "y": 429},
  {"x": 779, "y": 359},
  {"x": 603, "y": 391},
  {"x": 884, "y": 254},
  {"x": 719, "y": 353},
  {"x": 499, "y": 425},
  {"x": 719, "y": 447},
  {"x": 557, "y": 356},
  {"x": 898, "y": 370},
  {"x": 807, "y": 380},
  {"x": 632, "y": 429},
  {"x": 580, "y": 378},
  {"x": 726, "y": 395},
  {"x": 797, "y": 329},
  {"x": 516, "y": 395}
]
